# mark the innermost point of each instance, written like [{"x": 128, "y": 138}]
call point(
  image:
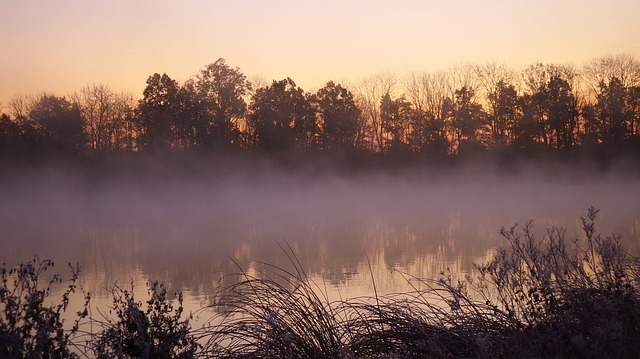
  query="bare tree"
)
[
  {"x": 600, "y": 70},
  {"x": 463, "y": 75},
  {"x": 108, "y": 117},
  {"x": 369, "y": 92},
  {"x": 256, "y": 82},
  {"x": 428, "y": 94},
  {"x": 19, "y": 107},
  {"x": 247, "y": 127},
  {"x": 538, "y": 75},
  {"x": 495, "y": 81}
]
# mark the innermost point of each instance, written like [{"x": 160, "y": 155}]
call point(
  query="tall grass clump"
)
[
  {"x": 407, "y": 325},
  {"x": 31, "y": 327},
  {"x": 279, "y": 315}
]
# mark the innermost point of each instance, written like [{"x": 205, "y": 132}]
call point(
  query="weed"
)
[
  {"x": 29, "y": 327},
  {"x": 133, "y": 331},
  {"x": 567, "y": 298}
]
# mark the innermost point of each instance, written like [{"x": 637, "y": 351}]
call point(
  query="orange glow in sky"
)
[{"x": 60, "y": 46}]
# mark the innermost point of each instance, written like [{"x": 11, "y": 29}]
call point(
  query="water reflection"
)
[
  {"x": 347, "y": 235},
  {"x": 347, "y": 259}
]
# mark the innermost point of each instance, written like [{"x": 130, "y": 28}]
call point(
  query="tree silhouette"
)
[
  {"x": 590, "y": 135},
  {"x": 562, "y": 111},
  {"x": 396, "y": 116},
  {"x": 550, "y": 102},
  {"x": 193, "y": 118},
  {"x": 370, "y": 91},
  {"x": 58, "y": 124},
  {"x": 428, "y": 96},
  {"x": 633, "y": 96},
  {"x": 46, "y": 126},
  {"x": 108, "y": 118},
  {"x": 428, "y": 135},
  {"x": 497, "y": 85},
  {"x": 339, "y": 116},
  {"x": 504, "y": 106},
  {"x": 222, "y": 91},
  {"x": 548, "y": 107},
  {"x": 10, "y": 137},
  {"x": 157, "y": 113},
  {"x": 601, "y": 70},
  {"x": 466, "y": 118},
  {"x": 615, "y": 116},
  {"x": 282, "y": 117}
]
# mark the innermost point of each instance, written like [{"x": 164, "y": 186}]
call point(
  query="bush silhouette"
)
[{"x": 29, "y": 328}]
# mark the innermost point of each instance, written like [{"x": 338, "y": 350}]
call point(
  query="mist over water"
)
[{"x": 190, "y": 230}]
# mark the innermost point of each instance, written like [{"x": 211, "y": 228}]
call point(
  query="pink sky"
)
[{"x": 60, "y": 46}]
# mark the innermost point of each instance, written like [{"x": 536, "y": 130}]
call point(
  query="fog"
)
[{"x": 189, "y": 228}]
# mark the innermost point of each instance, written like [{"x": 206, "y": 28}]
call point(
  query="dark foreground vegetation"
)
[{"x": 538, "y": 297}]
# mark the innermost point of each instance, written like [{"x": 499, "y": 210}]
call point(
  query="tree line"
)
[{"x": 467, "y": 109}]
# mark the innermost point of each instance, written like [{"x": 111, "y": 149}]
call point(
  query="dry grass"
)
[{"x": 545, "y": 297}]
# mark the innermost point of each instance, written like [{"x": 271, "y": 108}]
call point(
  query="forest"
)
[{"x": 548, "y": 109}]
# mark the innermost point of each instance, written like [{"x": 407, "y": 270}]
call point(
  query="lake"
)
[{"x": 349, "y": 232}]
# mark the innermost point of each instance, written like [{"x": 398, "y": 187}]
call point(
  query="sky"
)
[{"x": 60, "y": 46}]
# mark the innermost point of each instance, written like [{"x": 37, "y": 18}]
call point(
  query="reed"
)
[{"x": 31, "y": 326}]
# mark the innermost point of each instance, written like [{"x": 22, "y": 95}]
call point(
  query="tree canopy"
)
[{"x": 544, "y": 107}]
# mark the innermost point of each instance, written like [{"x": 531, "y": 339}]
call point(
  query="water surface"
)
[{"x": 348, "y": 232}]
